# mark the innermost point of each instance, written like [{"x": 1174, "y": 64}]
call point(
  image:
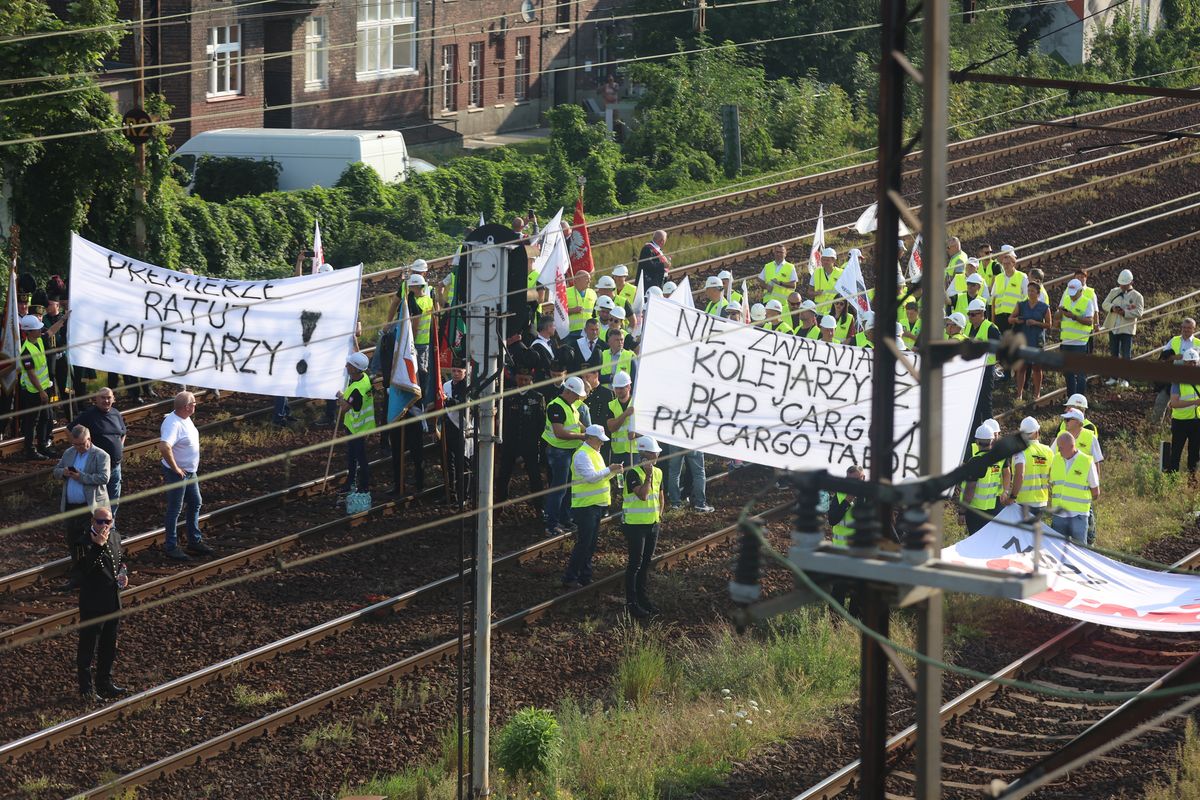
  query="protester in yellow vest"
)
[
  {"x": 910, "y": 324},
  {"x": 1185, "y": 418},
  {"x": 775, "y": 319},
  {"x": 642, "y": 505},
  {"x": 581, "y": 301},
  {"x": 357, "y": 405},
  {"x": 562, "y": 435},
  {"x": 828, "y": 328},
  {"x": 1074, "y": 487},
  {"x": 1009, "y": 288},
  {"x": 714, "y": 294},
  {"x": 824, "y": 281},
  {"x": 982, "y": 497},
  {"x": 727, "y": 286},
  {"x": 778, "y": 276},
  {"x": 36, "y": 386},
  {"x": 808, "y": 327},
  {"x": 1075, "y": 319},
  {"x": 620, "y": 424},
  {"x": 590, "y": 496},
  {"x": 1031, "y": 470},
  {"x": 956, "y": 259},
  {"x": 625, "y": 291},
  {"x": 616, "y": 359},
  {"x": 955, "y": 323},
  {"x": 841, "y": 512},
  {"x": 758, "y": 315}
]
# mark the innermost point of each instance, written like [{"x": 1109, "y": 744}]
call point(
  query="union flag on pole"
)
[
  {"x": 580, "y": 245},
  {"x": 814, "y": 255}
]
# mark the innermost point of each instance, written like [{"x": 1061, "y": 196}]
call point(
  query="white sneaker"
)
[
  {"x": 1111, "y": 382},
  {"x": 1124, "y": 384}
]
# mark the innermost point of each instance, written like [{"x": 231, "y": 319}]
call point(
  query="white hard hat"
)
[
  {"x": 1008, "y": 248},
  {"x": 974, "y": 262},
  {"x": 1072, "y": 413},
  {"x": 828, "y": 322},
  {"x": 983, "y": 432},
  {"x": 669, "y": 288},
  {"x": 733, "y": 305},
  {"x": 758, "y": 312},
  {"x": 975, "y": 277},
  {"x": 620, "y": 271},
  {"x": 358, "y": 361},
  {"x": 1076, "y": 400},
  {"x": 774, "y": 305},
  {"x": 725, "y": 275},
  {"x": 867, "y": 320},
  {"x": 1074, "y": 285},
  {"x": 958, "y": 319},
  {"x": 1030, "y": 425},
  {"x": 617, "y": 313},
  {"x": 606, "y": 282},
  {"x": 606, "y": 302},
  {"x": 575, "y": 386},
  {"x": 648, "y": 444},
  {"x": 597, "y": 431},
  {"x": 324, "y": 268},
  {"x": 417, "y": 280},
  {"x": 991, "y": 425},
  {"x": 976, "y": 305},
  {"x": 419, "y": 266},
  {"x": 31, "y": 323},
  {"x": 621, "y": 380},
  {"x": 1125, "y": 278},
  {"x": 713, "y": 282},
  {"x": 654, "y": 291},
  {"x": 808, "y": 305},
  {"x": 829, "y": 252},
  {"x": 1192, "y": 355}
]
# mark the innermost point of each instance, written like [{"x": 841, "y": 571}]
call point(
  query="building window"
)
[
  {"x": 449, "y": 78},
  {"x": 225, "y": 60},
  {"x": 316, "y": 53},
  {"x": 562, "y": 14},
  {"x": 501, "y": 68},
  {"x": 387, "y": 41},
  {"x": 521, "y": 73},
  {"x": 475, "y": 75}
]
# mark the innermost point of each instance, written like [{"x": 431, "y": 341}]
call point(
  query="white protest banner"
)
[
  {"x": 284, "y": 337},
  {"x": 784, "y": 401},
  {"x": 1085, "y": 585}
]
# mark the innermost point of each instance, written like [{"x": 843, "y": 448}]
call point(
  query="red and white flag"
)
[
  {"x": 745, "y": 304},
  {"x": 851, "y": 284},
  {"x": 580, "y": 244},
  {"x": 405, "y": 388},
  {"x": 814, "y": 256},
  {"x": 318, "y": 248},
  {"x": 10, "y": 336},
  {"x": 914, "y": 261},
  {"x": 552, "y": 265}
]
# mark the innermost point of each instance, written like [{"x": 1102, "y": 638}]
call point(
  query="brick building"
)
[{"x": 432, "y": 68}]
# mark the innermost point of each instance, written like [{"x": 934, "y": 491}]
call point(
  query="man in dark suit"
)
[
  {"x": 101, "y": 578},
  {"x": 653, "y": 262}
]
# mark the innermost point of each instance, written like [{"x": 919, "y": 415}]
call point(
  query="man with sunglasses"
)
[{"x": 101, "y": 577}]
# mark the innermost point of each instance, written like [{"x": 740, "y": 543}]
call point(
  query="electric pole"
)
[{"x": 139, "y": 135}]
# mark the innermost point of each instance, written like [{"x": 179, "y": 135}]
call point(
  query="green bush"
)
[
  {"x": 367, "y": 243},
  {"x": 631, "y": 178},
  {"x": 363, "y": 186},
  {"x": 220, "y": 179},
  {"x": 530, "y": 742},
  {"x": 600, "y": 192}
]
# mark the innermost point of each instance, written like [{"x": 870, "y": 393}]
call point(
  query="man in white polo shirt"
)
[{"x": 180, "y": 448}]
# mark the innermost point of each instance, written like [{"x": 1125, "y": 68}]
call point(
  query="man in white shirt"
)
[
  {"x": 180, "y": 448},
  {"x": 591, "y": 495}
]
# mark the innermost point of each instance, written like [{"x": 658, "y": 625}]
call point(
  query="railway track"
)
[{"x": 1012, "y": 736}]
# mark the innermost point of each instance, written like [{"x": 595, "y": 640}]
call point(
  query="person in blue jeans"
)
[
  {"x": 180, "y": 448},
  {"x": 675, "y": 457},
  {"x": 563, "y": 435},
  {"x": 591, "y": 494}
]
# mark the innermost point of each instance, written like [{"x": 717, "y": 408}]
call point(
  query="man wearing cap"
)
[
  {"x": 1124, "y": 305},
  {"x": 808, "y": 321},
  {"x": 778, "y": 276},
  {"x": 615, "y": 358},
  {"x": 1075, "y": 319},
  {"x": 981, "y": 329},
  {"x": 1080, "y": 403},
  {"x": 357, "y": 406},
  {"x": 563, "y": 434},
  {"x": 1185, "y": 418},
  {"x": 866, "y": 336},
  {"x": 625, "y": 291},
  {"x": 956, "y": 259},
  {"x": 524, "y": 421},
  {"x": 179, "y": 446},
  {"x": 653, "y": 263},
  {"x": 1031, "y": 470},
  {"x": 733, "y": 311},
  {"x": 668, "y": 288},
  {"x": 1074, "y": 487},
  {"x": 1008, "y": 288},
  {"x": 824, "y": 281},
  {"x": 982, "y": 497},
  {"x": 775, "y": 319},
  {"x": 959, "y": 301},
  {"x": 616, "y": 323},
  {"x": 727, "y": 286},
  {"x": 955, "y": 323},
  {"x": 642, "y": 504},
  {"x": 35, "y": 387},
  {"x": 714, "y": 295},
  {"x": 606, "y": 289},
  {"x": 910, "y": 323},
  {"x": 581, "y": 301},
  {"x": 1087, "y": 441},
  {"x": 758, "y": 315},
  {"x": 591, "y": 494},
  {"x": 620, "y": 420},
  {"x": 828, "y": 327}
]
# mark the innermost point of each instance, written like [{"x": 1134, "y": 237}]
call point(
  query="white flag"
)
[
  {"x": 814, "y": 257},
  {"x": 683, "y": 294},
  {"x": 482, "y": 221},
  {"x": 318, "y": 248},
  {"x": 869, "y": 221},
  {"x": 914, "y": 261},
  {"x": 639, "y": 302},
  {"x": 851, "y": 284},
  {"x": 552, "y": 264},
  {"x": 745, "y": 303},
  {"x": 10, "y": 337}
]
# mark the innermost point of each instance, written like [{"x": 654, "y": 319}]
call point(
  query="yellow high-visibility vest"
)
[
  {"x": 36, "y": 351},
  {"x": 570, "y": 423},
  {"x": 622, "y": 437},
  {"x": 592, "y": 493},
  {"x": 364, "y": 418},
  {"x": 1007, "y": 292},
  {"x": 785, "y": 272},
  {"x": 424, "y": 321},
  {"x": 1069, "y": 489},
  {"x": 586, "y": 302},
  {"x": 1075, "y": 332},
  {"x": 1035, "y": 486},
  {"x": 1187, "y": 391},
  {"x": 638, "y": 511},
  {"x": 845, "y": 528}
]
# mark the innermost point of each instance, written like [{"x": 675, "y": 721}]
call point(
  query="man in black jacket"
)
[
  {"x": 653, "y": 263},
  {"x": 101, "y": 578},
  {"x": 524, "y": 422}
]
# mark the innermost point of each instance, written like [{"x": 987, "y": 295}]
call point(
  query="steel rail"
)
[{"x": 386, "y": 676}]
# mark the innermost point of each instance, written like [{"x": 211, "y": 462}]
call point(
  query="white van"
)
[{"x": 307, "y": 157}]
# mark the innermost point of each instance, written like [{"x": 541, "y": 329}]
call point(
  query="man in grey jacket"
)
[
  {"x": 84, "y": 470},
  {"x": 1124, "y": 305}
]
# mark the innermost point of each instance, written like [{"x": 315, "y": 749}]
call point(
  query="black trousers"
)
[
  {"x": 408, "y": 438},
  {"x": 977, "y": 519},
  {"x": 1184, "y": 431},
  {"x": 36, "y": 421},
  {"x": 459, "y": 463},
  {"x": 530, "y": 454},
  {"x": 97, "y": 643},
  {"x": 640, "y": 541}
]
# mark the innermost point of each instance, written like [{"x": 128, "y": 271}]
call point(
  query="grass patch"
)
[
  {"x": 1138, "y": 503},
  {"x": 1184, "y": 784},
  {"x": 333, "y": 735},
  {"x": 41, "y": 786},
  {"x": 247, "y": 699}
]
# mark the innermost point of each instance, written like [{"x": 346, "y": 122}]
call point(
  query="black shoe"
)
[
  {"x": 35, "y": 455},
  {"x": 199, "y": 549},
  {"x": 646, "y": 604},
  {"x": 290, "y": 418},
  {"x": 109, "y": 690},
  {"x": 88, "y": 695},
  {"x": 636, "y": 611},
  {"x": 569, "y": 586},
  {"x": 176, "y": 554},
  {"x": 324, "y": 423}
]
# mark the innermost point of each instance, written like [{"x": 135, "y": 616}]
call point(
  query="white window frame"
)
[
  {"x": 449, "y": 78},
  {"x": 227, "y": 54},
  {"x": 475, "y": 75},
  {"x": 521, "y": 70},
  {"x": 386, "y": 27},
  {"x": 316, "y": 53}
]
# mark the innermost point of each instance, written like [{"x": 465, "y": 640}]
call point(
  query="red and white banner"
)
[
  {"x": 318, "y": 248},
  {"x": 551, "y": 265},
  {"x": 814, "y": 255},
  {"x": 1084, "y": 585},
  {"x": 580, "y": 244}
]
